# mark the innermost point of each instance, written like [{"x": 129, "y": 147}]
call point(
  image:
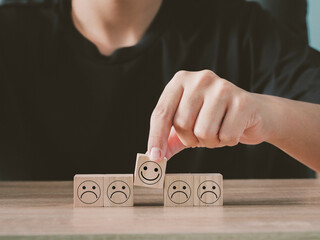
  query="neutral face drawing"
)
[
  {"x": 150, "y": 172},
  {"x": 209, "y": 192},
  {"x": 88, "y": 192},
  {"x": 179, "y": 192},
  {"x": 118, "y": 192}
]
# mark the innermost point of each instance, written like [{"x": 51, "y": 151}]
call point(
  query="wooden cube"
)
[
  {"x": 87, "y": 190},
  {"x": 149, "y": 173},
  {"x": 178, "y": 190},
  {"x": 208, "y": 189},
  {"x": 118, "y": 190}
]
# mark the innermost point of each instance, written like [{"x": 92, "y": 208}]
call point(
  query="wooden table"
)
[{"x": 254, "y": 209}]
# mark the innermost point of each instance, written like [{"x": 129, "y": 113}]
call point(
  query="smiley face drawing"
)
[
  {"x": 150, "y": 172},
  {"x": 118, "y": 192},
  {"x": 179, "y": 192},
  {"x": 209, "y": 192},
  {"x": 88, "y": 192}
]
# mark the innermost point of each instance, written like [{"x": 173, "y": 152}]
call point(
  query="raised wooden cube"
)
[
  {"x": 178, "y": 190},
  {"x": 149, "y": 173},
  {"x": 88, "y": 190},
  {"x": 118, "y": 190},
  {"x": 208, "y": 189}
]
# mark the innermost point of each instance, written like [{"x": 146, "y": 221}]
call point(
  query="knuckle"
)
[
  {"x": 186, "y": 137},
  {"x": 241, "y": 101},
  {"x": 208, "y": 73},
  {"x": 182, "y": 124},
  {"x": 228, "y": 139},
  {"x": 223, "y": 88},
  {"x": 180, "y": 75},
  {"x": 205, "y": 138},
  {"x": 201, "y": 134},
  {"x": 206, "y": 77}
]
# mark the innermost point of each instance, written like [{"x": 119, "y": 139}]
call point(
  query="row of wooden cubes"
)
[
  {"x": 193, "y": 190},
  {"x": 109, "y": 190},
  {"x": 98, "y": 190},
  {"x": 179, "y": 189}
]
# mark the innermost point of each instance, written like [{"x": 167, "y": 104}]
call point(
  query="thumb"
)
[{"x": 174, "y": 144}]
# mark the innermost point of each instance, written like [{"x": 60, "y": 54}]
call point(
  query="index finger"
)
[{"x": 162, "y": 120}]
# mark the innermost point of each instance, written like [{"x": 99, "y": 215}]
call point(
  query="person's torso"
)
[{"x": 67, "y": 109}]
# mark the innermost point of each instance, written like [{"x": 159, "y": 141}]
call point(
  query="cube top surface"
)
[
  {"x": 88, "y": 175},
  {"x": 207, "y": 174},
  {"x": 119, "y": 175},
  {"x": 179, "y": 175}
]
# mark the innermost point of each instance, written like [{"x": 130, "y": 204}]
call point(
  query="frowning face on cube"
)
[
  {"x": 88, "y": 192},
  {"x": 208, "y": 192},
  {"x": 179, "y": 192},
  {"x": 118, "y": 192}
]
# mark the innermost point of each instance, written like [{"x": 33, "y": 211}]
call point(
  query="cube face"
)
[
  {"x": 208, "y": 189},
  {"x": 88, "y": 190},
  {"x": 149, "y": 173},
  {"x": 118, "y": 190},
  {"x": 178, "y": 190}
]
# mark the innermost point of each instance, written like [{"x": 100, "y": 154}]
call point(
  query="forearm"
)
[{"x": 295, "y": 129}]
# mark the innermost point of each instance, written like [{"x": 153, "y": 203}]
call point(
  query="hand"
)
[{"x": 200, "y": 109}]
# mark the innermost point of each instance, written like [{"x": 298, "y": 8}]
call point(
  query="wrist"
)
[{"x": 274, "y": 118}]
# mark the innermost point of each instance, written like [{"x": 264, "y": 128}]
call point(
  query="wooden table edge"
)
[{"x": 176, "y": 236}]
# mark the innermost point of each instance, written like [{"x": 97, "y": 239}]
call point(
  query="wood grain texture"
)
[
  {"x": 148, "y": 173},
  {"x": 118, "y": 190},
  {"x": 208, "y": 189},
  {"x": 253, "y": 209},
  {"x": 178, "y": 190},
  {"x": 88, "y": 190}
]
